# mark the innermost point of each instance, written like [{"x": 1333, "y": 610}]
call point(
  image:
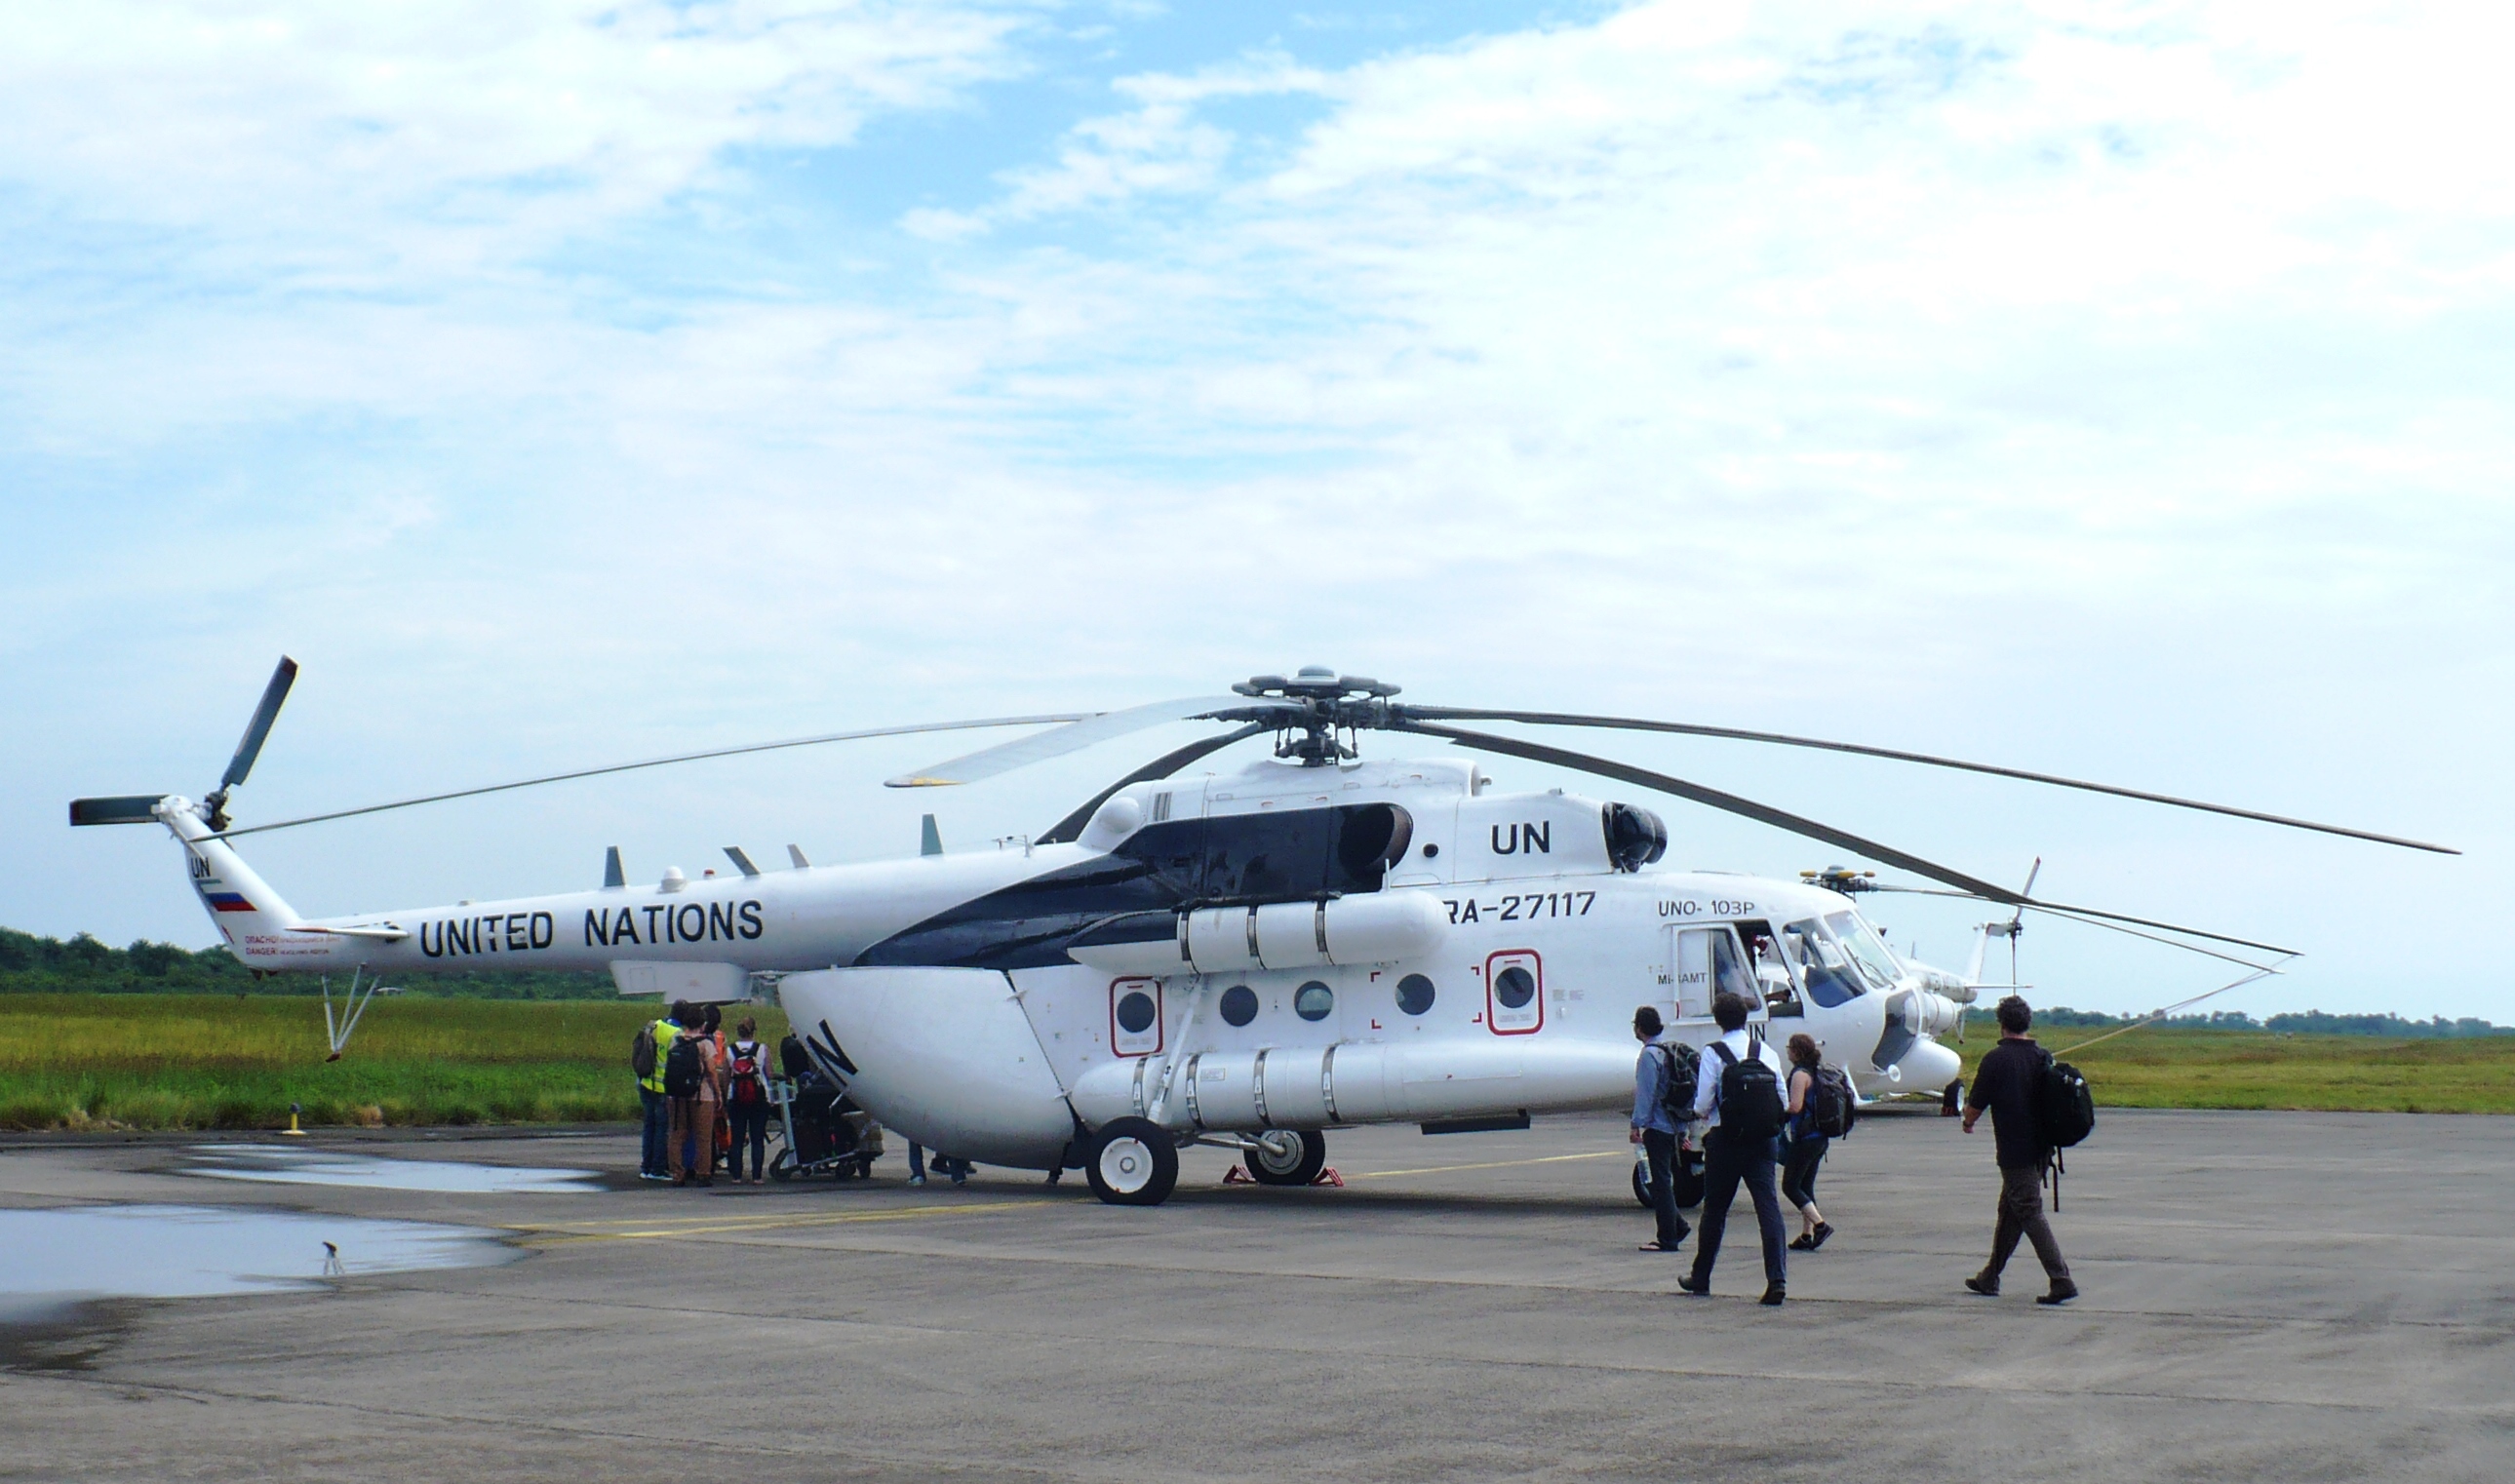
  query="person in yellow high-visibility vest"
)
[{"x": 655, "y": 1039}]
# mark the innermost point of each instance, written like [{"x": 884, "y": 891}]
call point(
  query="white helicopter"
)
[{"x": 1245, "y": 960}]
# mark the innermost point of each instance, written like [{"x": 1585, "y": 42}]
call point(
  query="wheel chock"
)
[
  {"x": 1237, "y": 1175},
  {"x": 1329, "y": 1176}
]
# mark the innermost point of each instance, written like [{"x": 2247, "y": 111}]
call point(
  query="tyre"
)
[
  {"x": 781, "y": 1168},
  {"x": 1641, "y": 1185},
  {"x": 1285, "y": 1158},
  {"x": 1131, "y": 1162}
]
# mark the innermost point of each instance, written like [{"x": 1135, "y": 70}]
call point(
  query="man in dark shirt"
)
[{"x": 2005, "y": 1083}]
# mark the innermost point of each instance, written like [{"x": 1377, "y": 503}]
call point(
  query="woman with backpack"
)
[
  {"x": 1806, "y": 1142},
  {"x": 746, "y": 1099}
]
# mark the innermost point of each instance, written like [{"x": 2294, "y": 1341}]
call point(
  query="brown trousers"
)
[
  {"x": 2021, "y": 1214},
  {"x": 693, "y": 1118}
]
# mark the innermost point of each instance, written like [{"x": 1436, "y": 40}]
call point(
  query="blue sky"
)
[{"x": 2109, "y": 390}]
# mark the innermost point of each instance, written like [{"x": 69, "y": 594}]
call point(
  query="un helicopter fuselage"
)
[{"x": 1285, "y": 948}]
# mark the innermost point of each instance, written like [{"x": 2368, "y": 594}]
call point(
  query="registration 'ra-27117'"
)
[{"x": 1520, "y": 909}]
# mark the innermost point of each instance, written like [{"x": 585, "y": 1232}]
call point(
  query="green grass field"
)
[
  {"x": 224, "y": 1062},
  {"x": 220, "y": 1062},
  {"x": 2159, "y": 1068}
]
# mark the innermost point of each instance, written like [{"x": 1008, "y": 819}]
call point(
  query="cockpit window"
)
[
  {"x": 1825, "y": 969},
  {"x": 1873, "y": 956}
]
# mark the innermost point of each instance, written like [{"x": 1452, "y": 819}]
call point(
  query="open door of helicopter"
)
[{"x": 1710, "y": 962}]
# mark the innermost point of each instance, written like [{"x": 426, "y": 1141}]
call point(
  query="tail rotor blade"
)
[
  {"x": 257, "y": 732},
  {"x": 125, "y": 808}
]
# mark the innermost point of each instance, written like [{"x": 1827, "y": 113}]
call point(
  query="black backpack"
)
[
  {"x": 1751, "y": 1095},
  {"x": 1830, "y": 1107},
  {"x": 685, "y": 1068},
  {"x": 1680, "y": 1068},
  {"x": 641, "y": 1051},
  {"x": 2065, "y": 1107}
]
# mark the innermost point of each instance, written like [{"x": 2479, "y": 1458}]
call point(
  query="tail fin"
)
[{"x": 248, "y": 913}]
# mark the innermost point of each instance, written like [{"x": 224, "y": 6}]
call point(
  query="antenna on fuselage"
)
[{"x": 930, "y": 840}]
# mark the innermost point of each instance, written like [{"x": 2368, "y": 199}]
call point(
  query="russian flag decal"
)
[{"x": 226, "y": 901}]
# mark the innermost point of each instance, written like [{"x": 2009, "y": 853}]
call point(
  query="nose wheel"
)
[{"x": 1131, "y": 1162}]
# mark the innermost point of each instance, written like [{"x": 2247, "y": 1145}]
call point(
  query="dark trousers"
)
[
  {"x": 2021, "y": 1214},
  {"x": 1662, "y": 1186},
  {"x": 1799, "y": 1159},
  {"x": 749, "y": 1121},
  {"x": 658, "y": 1108},
  {"x": 1727, "y": 1163}
]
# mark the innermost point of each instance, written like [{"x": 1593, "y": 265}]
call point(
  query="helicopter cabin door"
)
[{"x": 1709, "y": 961}]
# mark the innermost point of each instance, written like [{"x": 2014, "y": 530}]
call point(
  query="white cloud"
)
[
  {"x": 465, "y": 133},
  {"x": 2116, "y": 390}
]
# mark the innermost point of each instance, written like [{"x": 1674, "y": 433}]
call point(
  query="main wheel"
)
[
  {"x": 1131, "y": 1162},
  {"x": 1641, "y": 1184},
  {"x": 781, "y": 1166},
  {"x": 1285, "y": 1158}
]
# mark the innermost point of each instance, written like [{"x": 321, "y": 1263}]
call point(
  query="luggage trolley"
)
[{"x": 822, "y": 1131}]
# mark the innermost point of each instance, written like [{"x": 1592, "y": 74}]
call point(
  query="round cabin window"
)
[
  {"x": 1313, "y": 1000},
  {"x": 1415, "y": 994},
  {"x": 1239, "y": 1005},
  {"x": 1515, "y": 987},
  {"x": 1136, "y": 1012}
]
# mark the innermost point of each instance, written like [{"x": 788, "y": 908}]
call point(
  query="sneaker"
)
[
  {"x": 916, "y": 1179},
  {"x": 1700, "y": 1288},
  {"x": 1824, "y": 1229},
  {"x": 1989, "y": 1288},
  {"x": 649, "y": 1175},
  {"x": 2062, "y": 1293},
  {"x": 1804, "y": 1242},
  {"x": 1773, "y": 1295}
]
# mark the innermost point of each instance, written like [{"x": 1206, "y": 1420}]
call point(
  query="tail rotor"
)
[{"x": 141, "y": 809}]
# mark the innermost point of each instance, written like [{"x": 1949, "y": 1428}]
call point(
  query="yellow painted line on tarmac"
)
[
  {"x": 555, "y": 1236},
  {"x": 1550, "y": 1159}
]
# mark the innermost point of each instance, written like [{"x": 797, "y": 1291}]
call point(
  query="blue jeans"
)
[
  {"x": 658, "y": 1132},
  {"x": 1726, "y": 1164}
]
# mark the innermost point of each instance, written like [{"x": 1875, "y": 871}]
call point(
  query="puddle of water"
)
[
  {"x": 63, "y": 1256},
  {"x": 288, "y": 1164}
]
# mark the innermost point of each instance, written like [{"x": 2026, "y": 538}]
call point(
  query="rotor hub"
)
[{"x": 1317, "y": 712}]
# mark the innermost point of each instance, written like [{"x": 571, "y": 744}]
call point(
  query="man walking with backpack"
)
[
  {"x": 1663, "y": 1107},
  {"x": 646, "y": 1062},
  {"x": 2008, "y": 1082},
  {"x": 1738, "y": 1097}
]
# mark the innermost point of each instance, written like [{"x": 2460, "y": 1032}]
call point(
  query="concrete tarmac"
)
[{"x": 2268, "y": 1296}]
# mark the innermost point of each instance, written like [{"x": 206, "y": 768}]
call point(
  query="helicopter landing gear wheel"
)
[
  {"x": 1285, "y": 1157},
  {"x": 1641, "y": 1184},
  {"x": 1131, "y": 1162}
]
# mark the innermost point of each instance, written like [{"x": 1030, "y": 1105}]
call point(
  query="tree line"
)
[{"x": 84, "y": 966}]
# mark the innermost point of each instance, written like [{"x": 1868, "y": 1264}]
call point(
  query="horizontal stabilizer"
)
[
  {"x": 386, "y": 933},
  {"x": 129, "y": 808}
]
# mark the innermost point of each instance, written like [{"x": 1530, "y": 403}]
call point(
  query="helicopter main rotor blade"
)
[
  {"x": 2095, "y": 918},
  {"x": 1083, "y": 732},
  {"x": 1683, "y": 729},
  {"x": 627, "y": 768},
  {"x": 1538, "y": 751},
  {"x": 258, "y": 730},
  {"x": 1071, "y": 826}
]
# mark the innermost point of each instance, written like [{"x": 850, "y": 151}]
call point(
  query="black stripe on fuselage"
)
[{"x": 1134, "y": 894}]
